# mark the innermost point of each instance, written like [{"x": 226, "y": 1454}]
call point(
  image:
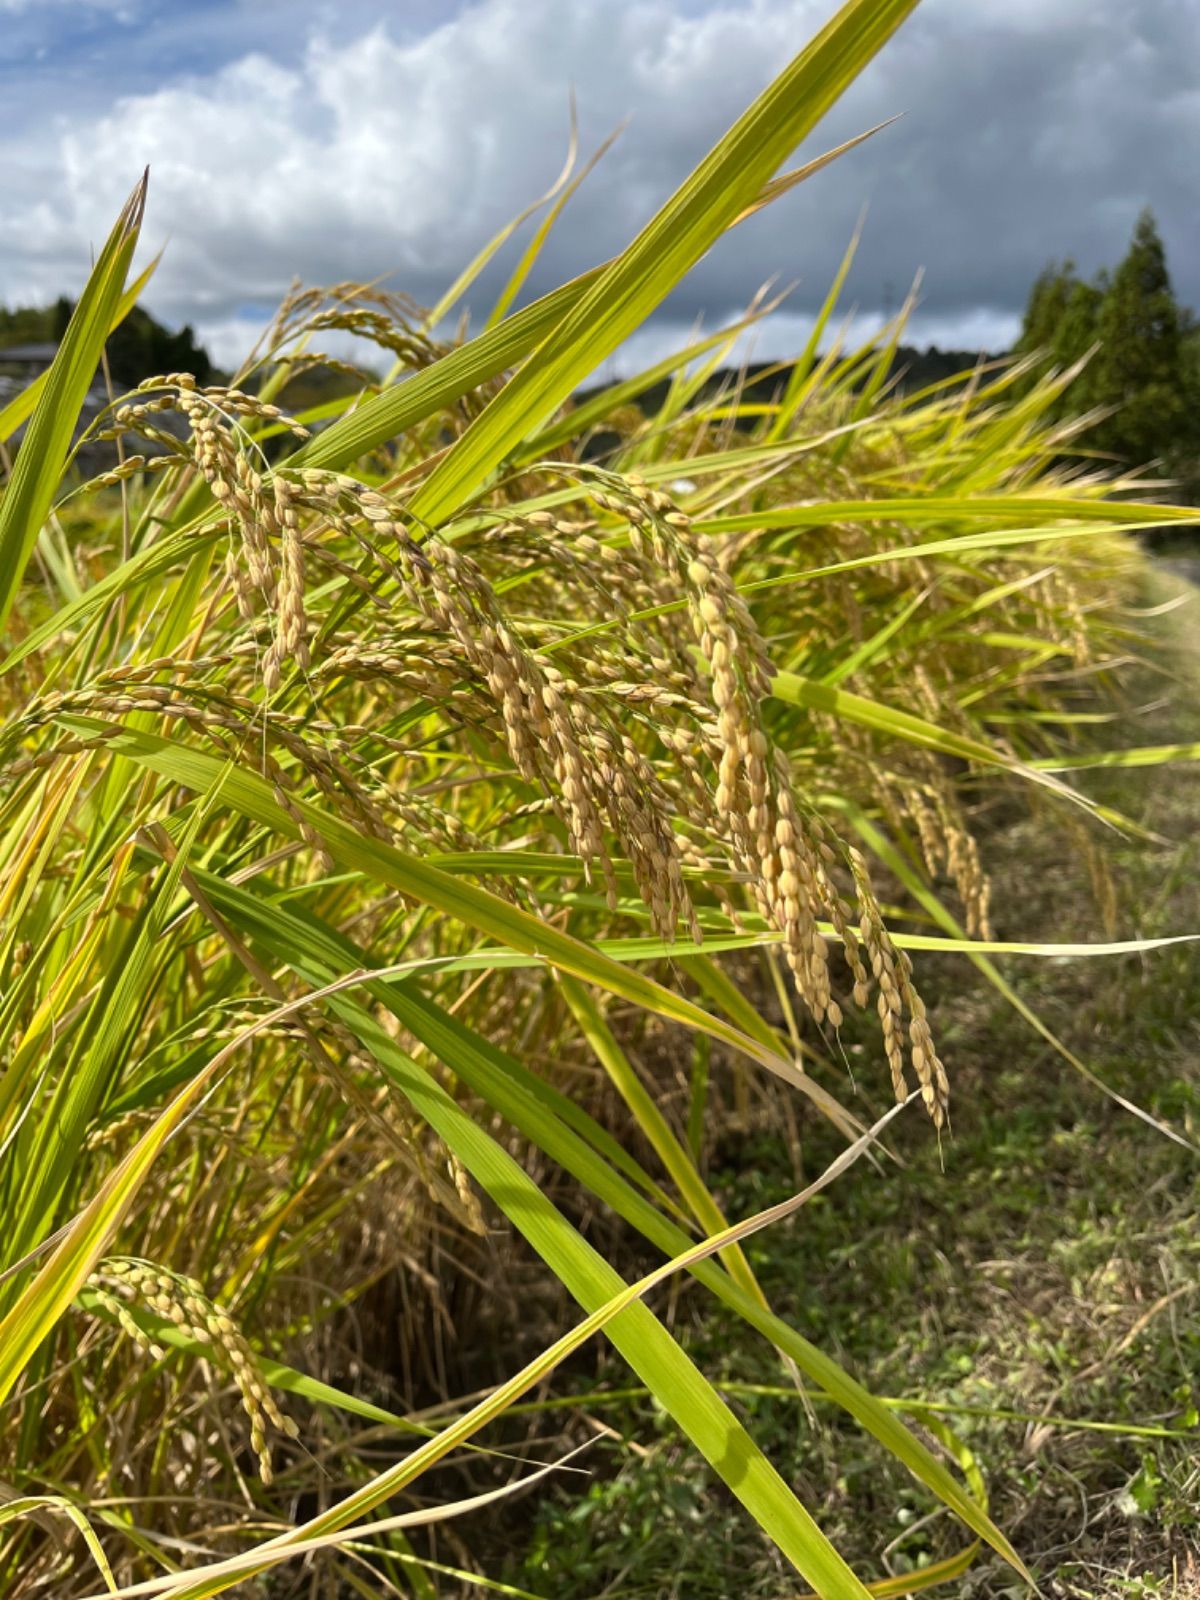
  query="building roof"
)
[{"x": 29, "y": 354}]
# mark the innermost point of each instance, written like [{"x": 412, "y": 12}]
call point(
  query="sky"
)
[{"x": 392, "y": 138}]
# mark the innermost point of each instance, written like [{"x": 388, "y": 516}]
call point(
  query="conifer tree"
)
[
  {"x": 1145, "y": 370},
  {"x": 1074, "y": 339},
  {"x": 1046, "y": 307},
  {"x": 1139, "y": 369}
]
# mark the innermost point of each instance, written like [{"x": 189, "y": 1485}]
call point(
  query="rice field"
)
[{"x": 428, "y": 818}]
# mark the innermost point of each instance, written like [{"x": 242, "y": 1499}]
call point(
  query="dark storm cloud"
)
[{"x": 399, "y": 139}]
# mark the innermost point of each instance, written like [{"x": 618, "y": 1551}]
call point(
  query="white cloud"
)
[
  {"x": 378, "y": 156},
  {"x": 1033, "y": 128}
]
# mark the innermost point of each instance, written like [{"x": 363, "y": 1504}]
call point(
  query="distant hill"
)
[{"x": 763, "y": 382}]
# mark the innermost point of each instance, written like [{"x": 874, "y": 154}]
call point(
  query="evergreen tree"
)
[
  {"x": 1046, "y": 307},
  {"x": 1079, "y": 327},
  {"x": 1146, "y": 367},
  {"x": 140, "y": 347},
  {"x": 1056, "y": 325},
  {"x": 1072, "y": 340},
  {"x": 60, "y": 316},
  {"x": 1189, "y": 356},
  {"x": 1140, "y": 369}
]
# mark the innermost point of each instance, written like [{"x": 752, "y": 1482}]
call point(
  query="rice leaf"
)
[
  {"x": 47, "y": 441},
  {"x": 644, "y": 274}
]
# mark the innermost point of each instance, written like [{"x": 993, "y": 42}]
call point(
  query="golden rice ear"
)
[
  {"x": 786, "y": 852},
  {"x": 182, "y": 1303}
]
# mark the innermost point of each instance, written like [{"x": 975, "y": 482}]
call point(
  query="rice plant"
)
[{"x": 366, "y": 771}]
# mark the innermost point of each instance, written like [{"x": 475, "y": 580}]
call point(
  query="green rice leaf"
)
[
  {"x": 640, "y": 278},
  {"x": 47, "y": 442},
  {"x": 22, "y": 406},
  {"x": 382, "y": 863},
  {"x": 316, "y": 952}
]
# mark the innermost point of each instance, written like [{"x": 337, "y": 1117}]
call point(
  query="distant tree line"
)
[
  {"x": 764, "y": 382},
  {"x": 139, "y": 348},
  {"x": 1142, "y": 349}
]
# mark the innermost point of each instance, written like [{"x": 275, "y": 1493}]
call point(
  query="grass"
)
[
  {"x": 1046, "y": 1270},
  {"x": 368, "y": 779}
]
